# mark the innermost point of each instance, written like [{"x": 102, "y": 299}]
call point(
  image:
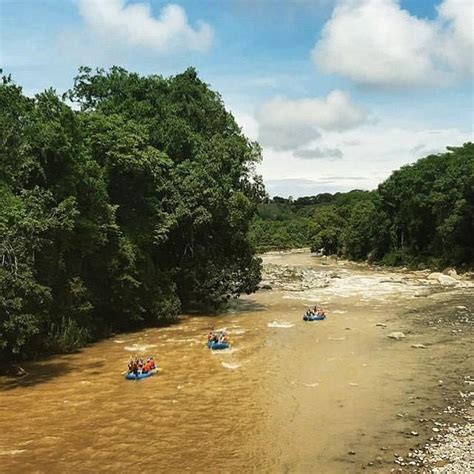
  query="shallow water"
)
[{"x": 288, "y": 396}]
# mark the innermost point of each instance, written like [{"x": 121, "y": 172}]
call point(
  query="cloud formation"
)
[
  {"x": 285, "y": 124},
  {"x": 133, "y": 25},
  {"x": 371, "y": 152},
  {"x": 376, "y": 42},
  {"x": 319, "y": 153}
]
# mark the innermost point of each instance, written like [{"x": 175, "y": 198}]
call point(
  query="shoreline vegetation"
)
[
  {"x": 131, "y": 198},
  {"x": 421, "y": 217}
]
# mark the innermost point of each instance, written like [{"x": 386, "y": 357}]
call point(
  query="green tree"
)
[
  {"x": 122, "y": 212},
  {"x": 326, "y": 229}
]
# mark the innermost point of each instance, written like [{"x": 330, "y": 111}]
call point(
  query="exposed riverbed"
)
[{"x": 334, "y": 396}]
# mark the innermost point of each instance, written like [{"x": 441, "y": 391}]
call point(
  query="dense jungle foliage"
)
[
  {"x": 422, "y": 215},
  {"x": 121, "y": 202}
]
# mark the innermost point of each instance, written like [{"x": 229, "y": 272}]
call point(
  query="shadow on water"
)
[
  {"x": 237, "y": 306},
  {"x": 43, "y": 371},
  {"x": 245, "y": 306},
  {"x": 46, "y": 369}
]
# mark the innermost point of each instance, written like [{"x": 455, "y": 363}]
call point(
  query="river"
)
[{"x": 337, "y": 396}]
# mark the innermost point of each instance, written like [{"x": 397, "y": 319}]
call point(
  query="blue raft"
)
[
  {"x": 132, "y": 376},
  {"x": 216, "y": 346},
  {"x": 313, "y": 318}
]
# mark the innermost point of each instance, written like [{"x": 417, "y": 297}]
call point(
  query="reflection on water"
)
[{"x": 288, "y": 396}]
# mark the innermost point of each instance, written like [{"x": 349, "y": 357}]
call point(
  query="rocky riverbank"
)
[
  {"x": 440, "y": 320},
  {"x": 296, "y": 278},
  {"x": 450, "y": 452},
  {"x": 450, "y": 446}
]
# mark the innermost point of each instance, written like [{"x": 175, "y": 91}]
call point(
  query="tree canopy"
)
[{"x": 121, "y": 202}]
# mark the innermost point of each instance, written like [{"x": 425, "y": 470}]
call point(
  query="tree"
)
[
  {"x": 120, "y": 213},
  {"x": 326, "y": 229}
]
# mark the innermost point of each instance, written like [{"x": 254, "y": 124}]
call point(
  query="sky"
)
[{"x": 339, "y": 93}]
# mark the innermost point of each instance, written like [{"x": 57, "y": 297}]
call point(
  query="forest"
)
[
  {"x": 421, "y": 216},
  {"x": 122, "y": 202},
  {"x": 131, "y": 198}
]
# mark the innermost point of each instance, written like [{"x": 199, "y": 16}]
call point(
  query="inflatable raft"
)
[
  {"x": 313, "y": 318},
  {"x": 216, "y": 346},
  {"x": 132, "y": 376}
]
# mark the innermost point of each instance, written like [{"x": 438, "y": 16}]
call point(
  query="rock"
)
[
  {"x": 450, "y": 272},
  {"x": 435, "y": 430},
  {"x": 414, "y": 433},
  {"x": 381, "y": 325},
  {"x": 418, "y": 346},
  {"x": 421, "y": 294},
  {"x": 265, "y": 287},
  {"x": 444, "y": 280},
  {"x": 461, "y": 307},
  {"x": 396, "y": 335},
  {"x": 351, "y": 453}
]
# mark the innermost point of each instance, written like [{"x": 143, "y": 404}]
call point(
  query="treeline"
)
[
  {"x": 422, "y": 215},
  {"x": 121, "y": 202},
  {"x": 285, "y": 223}
]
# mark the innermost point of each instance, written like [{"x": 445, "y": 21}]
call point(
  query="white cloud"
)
[
  {"x": 376, "y": 42},
  {"x": 457, "y": 43},
  {"x": 286, "y": 124},
  {"x": 319, "y": 153},
  {"x": 133, "y": 25},
  {"x": 371, "y": 153}
]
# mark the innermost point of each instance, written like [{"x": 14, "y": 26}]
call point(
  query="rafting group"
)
[
  {"x": 217, "y": 340},
  {"x": 314, "y": 314},
  {"x": 139, "y": 369}
]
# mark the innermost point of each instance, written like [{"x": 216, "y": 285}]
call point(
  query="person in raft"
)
[
  {"x": 216, "y": 337},
  {"x": 138, "y": 366},
  {"x": 315, "y": 311},
  {"x": 320, "y": 313}
]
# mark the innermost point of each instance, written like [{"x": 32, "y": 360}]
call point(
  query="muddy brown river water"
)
[{"x": 288, "y": 396}]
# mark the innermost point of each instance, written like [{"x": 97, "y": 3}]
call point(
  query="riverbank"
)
[
  {"x": 462, "y": 271},
  {"x": 450, "y": 445},
  {"x": 445, "y": 437},
  {"x": 297, "y": 277}
]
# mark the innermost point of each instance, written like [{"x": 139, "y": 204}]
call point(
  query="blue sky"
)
[{"x": 339, "y": 92}]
